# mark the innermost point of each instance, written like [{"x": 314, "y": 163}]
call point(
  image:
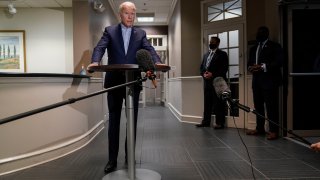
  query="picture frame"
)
[{"x": 12, "y": 51}]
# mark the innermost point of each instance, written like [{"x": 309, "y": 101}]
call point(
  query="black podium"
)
[{"x": 131, "y": 173}]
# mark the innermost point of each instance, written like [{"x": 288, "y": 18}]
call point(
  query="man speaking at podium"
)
[{"x": 122, "y": 42}]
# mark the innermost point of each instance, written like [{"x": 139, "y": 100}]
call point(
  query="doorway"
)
[
  {"x": 303, "y": 68},
  {"x": 231, "y": 42},
  {"x": 225, "y": 20}
]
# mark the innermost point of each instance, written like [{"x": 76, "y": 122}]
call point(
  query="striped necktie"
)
[
  {"x": 209, "y": 58},
  {"x": 260, "y": 46}
]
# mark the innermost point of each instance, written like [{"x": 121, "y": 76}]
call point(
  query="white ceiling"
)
[
  {"x": 161, "y": 8},
  {"x": 36, "y": 3}
]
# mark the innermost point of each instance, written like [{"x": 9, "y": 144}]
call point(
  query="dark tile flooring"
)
[{"x": 180, "y": 151}]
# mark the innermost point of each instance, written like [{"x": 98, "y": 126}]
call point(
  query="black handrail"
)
[{"x": 62, "y": 103}]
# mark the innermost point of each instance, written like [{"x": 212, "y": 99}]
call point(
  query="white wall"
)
[
  {"x": 186, "y": 98},
  {"x": 48, "y": 135},
  {"x": 48, "y": 34}
]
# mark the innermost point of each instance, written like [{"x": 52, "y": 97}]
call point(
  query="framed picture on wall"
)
[{"x": 12, "y": 51}]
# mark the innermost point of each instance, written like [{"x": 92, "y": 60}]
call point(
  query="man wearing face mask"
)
[
  {"x": 215, "y": 63},
  {"x": 265, "y": 63}
]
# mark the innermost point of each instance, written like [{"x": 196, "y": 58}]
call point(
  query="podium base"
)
[{"x": 141, "y": 174}]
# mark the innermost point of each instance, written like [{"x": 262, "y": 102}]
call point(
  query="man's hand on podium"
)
[{"x": 91, "y": 65}]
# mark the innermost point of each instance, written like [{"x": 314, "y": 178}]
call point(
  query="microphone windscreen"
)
[
  {"x": 220, "y": 86},
  {"x": 144, "y": 60}
]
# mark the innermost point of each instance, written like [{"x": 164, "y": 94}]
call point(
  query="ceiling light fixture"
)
[
  {"x": 11, "y": 8},
  {"x": 98, "y": 6},
  {"x": 145, "y": 17}
]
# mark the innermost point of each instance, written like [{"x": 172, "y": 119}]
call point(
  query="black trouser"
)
[
  {"x": 269, "y": 99},
  {"x": 115, "y": 100},
  {"x": 212, "y": 103}
]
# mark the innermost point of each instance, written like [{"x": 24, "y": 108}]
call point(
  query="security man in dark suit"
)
[
  {"x": 265, "y": 63},
  {"x": 215, "y": 63}
]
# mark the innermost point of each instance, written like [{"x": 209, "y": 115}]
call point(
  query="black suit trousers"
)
[
  {"x": 266, "y": 99},
  {"x": 115, "y": 101},
  {"x": 212, "y": 103}
]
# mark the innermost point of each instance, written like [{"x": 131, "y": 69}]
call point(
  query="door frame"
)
[
  {"x": 231, "y": 121},
  {"x": 291, "y": 74}
]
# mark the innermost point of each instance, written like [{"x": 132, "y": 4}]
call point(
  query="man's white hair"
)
[{"x": 127, "y": 3}]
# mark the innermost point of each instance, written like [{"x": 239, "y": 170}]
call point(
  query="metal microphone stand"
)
[{"x": 235, "y": 103}]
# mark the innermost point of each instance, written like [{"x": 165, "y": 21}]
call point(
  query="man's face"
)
[
  {"x": 128, "y": 15},
  {"x": 262, "y": 34},
  {"x": 214, "y": 43}
]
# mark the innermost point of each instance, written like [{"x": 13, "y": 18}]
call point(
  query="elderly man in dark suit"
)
[
  {"x": 215, "y": 63},
  {"x": 122, "y": 42},
  {"x": 265, "y": 63}
]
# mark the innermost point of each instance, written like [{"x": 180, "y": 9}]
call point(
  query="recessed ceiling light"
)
[{"x": 145, "y": 17}]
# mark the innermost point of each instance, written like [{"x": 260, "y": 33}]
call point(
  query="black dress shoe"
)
[
  {"x": 111, "y": 166},
  {"x": 202, "y": 125}
]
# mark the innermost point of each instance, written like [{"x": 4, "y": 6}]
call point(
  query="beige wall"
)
[
  {"x": 185, "y": 39},
  {"x": 190, "y": 38},
  {"x": 174, "y": 42},
  {"x": 48, "y": 36},
  {"x": 263, "y": 12},
  {"x": 81, "y": 38},
  {"x": 185, "y": 93},
  {"x": 54, "y": 132},
  {"x": 89, "y": 26}
]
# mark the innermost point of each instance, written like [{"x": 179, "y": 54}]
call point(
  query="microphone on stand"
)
[
  {"x": 223, "y": 91},
  {"x": 221, "y": 88},
  {"x": 145, "y": 62}
]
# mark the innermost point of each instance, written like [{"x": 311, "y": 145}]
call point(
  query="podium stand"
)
[{"x": 131, "y": 173}]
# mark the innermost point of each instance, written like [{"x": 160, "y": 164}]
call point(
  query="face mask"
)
[
  {"x": 261, "y": 37},
  {"x": 213, "y": 46}
]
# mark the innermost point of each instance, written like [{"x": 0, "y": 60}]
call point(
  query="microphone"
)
[
  {"x": 223, "y": 91},
  {"x": 221, "y": 88},
  {"x": 145, "y": 62}
]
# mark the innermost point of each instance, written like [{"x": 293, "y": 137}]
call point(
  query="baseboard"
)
[{"x": 184, "y": 118}]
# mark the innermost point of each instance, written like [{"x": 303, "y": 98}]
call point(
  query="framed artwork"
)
[{"x": 12, "y": 51}]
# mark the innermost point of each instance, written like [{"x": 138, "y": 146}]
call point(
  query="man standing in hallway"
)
[
  {"x": 214, "y": 64},
  {"x": 122, "y": 42},
  {"x": 265, "y": 63}
]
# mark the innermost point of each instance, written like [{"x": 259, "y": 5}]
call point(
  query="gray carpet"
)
[{"x": 180, "y": 151}]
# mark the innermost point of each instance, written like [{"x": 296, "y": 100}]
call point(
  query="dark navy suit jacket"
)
[
  {"x": 112, "y": 41},
  {"x": 272, "y": 55},
  {"x": 218, "y": 66}
]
